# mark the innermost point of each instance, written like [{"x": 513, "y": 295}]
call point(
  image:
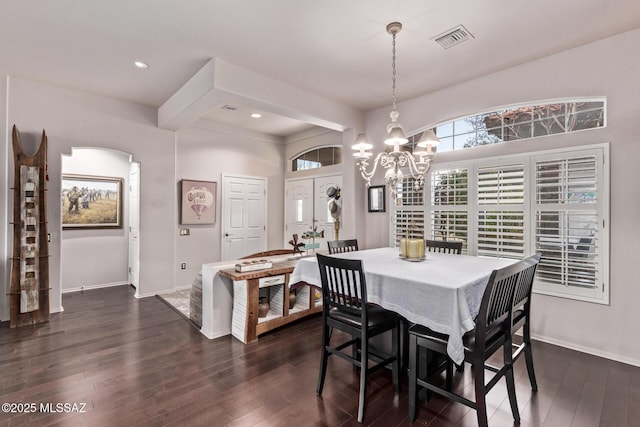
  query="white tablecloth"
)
[{"x": 443, "y": 292}]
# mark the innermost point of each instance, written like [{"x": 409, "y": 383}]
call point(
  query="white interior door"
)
[
  {"x": 322, "y": 216},
  {"x": 244, "y": 216},
  {"x": 298, "y": 209},
  {"x": 134, "y": 224}
]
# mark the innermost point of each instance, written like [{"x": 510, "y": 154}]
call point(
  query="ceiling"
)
[{"x": 336, "y": 49}]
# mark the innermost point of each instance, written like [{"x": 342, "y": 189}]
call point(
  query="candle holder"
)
[{"x": 412, "y": 245}]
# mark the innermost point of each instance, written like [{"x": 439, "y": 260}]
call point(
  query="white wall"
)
[
  {"x": 607, "y": 67},
  {"x": 84, "y": 262},
  {"x": 76, "y": 119},
  {"x": 205, "y": 154}
]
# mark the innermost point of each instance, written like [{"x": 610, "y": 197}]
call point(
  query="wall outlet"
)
[
  {"x": 184, "y": 232},
  {"x": 183, "y": 266}
]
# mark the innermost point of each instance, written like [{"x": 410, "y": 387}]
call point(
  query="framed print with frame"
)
[
  {"x": 197, "y": 202},
  {"x": 91, "y": 202},
  {"x": 376, "y": 198}
]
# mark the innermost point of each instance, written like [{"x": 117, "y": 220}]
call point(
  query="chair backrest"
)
[
  {"x": 448, "y": 247},
  {"x": 343, "y": 284},
  {"x": 525, "y": 282},
  {"x": 340, "y": 246},
  {"x": 522, "y": 293},
  {"x": 497, "y": 300}
]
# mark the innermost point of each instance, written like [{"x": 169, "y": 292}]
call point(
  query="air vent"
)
[
  {"x": 453, "y": 37},
  {"x": 229, "y": 107}
]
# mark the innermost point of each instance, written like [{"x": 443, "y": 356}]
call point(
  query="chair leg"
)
[
  {"x": 395, "y": 366},
  {"x": 355, "y": 351},
  {"x": 481, "y": 401},
  {"x": 422, "y": 371},
  {"x": 449, "y": 375},
  {"x": 528, "y": 356},
  {"x": 511, "y": 385},
  {"x": 326, "y": 337},
  {"x": 511, "y": 391},
  {"x": 364, "y": 357},
  {"x": 413, "y": 375}
]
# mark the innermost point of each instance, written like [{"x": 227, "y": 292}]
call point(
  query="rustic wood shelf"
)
[{"x": 249, "y": 286}]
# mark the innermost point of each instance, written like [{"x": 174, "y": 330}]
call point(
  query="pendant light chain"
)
[{"x": 393, "y": 68}]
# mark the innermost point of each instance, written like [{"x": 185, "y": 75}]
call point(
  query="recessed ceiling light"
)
[
  {"x": 256, "y": 115},
  {"x": 141, "y": 64}
]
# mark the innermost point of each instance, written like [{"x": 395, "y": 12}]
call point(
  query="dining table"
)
[{"x": 442, "y": 292}]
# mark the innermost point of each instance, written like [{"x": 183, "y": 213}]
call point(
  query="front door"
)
[
  {"x": 298, "y": 209},
  {"x": 244, "y": 216},
  {"x": 307, "y": 210},
  {"x": 322, "y": 215}
]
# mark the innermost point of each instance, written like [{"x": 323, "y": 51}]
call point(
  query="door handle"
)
[{"x": 228, "y": 234}]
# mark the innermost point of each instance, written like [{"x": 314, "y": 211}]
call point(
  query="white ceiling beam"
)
[{"x": 219, "y": 82}]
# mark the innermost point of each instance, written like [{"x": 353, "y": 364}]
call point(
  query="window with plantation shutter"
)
[
  {"x": 408, "y": 213},
  {"x": 449, "y": 206},
  {"x": 570, "y": 206},
  {"x": 500, "y": 211},
  {"x": 554, "y": 202}
]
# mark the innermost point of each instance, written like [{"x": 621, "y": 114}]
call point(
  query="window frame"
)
[
  {"x": 454, "y": 135},
  {"x": 316, "y": 149}
]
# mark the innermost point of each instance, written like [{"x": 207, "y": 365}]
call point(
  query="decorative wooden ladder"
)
[{"x": 29, "y": 289}]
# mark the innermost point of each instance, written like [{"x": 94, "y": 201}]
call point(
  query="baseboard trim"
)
[
  {"x": 588, "y": 350},
  {"x": 147, "y": 295},
  {"x": 98, "y": 286},
  {"x": 153, "y": 294}
]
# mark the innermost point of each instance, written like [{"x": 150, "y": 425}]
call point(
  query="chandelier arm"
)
[
  {"x": 381, "y": 158},
  {"x": 417, "y": 172}
]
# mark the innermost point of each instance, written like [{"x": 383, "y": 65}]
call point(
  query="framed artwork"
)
[
  {"x": 376, "y": 198},
  {"x": 197, "y": 202},
  {"x": 91, "y": 202}
]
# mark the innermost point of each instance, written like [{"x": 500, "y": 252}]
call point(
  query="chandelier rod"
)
[
  {"x": 393, "y": 68},
  {"x": 393, "y": 29}
]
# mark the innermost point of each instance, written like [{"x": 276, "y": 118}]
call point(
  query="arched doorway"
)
[{"x": 99, "y": 253}]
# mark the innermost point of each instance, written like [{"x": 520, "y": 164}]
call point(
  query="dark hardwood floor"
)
[{"x": 137, "y": 362}]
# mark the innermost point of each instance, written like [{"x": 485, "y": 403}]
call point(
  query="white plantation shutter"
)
[
  {"x": 449, "y": 216},
  {"x": 569, "y": 220},
  {"x": 555, "y": 203},
  {"x": 500, "y": 208},
  {"x": 409, "y": 212}
]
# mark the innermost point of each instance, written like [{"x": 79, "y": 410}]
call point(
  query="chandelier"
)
[{"x": 396, "y": 159}]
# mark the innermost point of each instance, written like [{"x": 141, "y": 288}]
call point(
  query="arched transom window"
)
[
  {"x": 317, "y": 158},
  {"x": 520, "y": 122}
]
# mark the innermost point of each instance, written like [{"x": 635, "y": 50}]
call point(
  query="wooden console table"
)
[{"x": 272, "y": 283}]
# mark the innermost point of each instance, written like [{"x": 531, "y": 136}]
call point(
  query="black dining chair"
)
[
  {"x": 345, "y": 308},
  {"x": 492, "y": 332},
  {"x": 449, "y": 247},
  {"x": 521, "y": 313},
  {"x": 341, "y": 246}
]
